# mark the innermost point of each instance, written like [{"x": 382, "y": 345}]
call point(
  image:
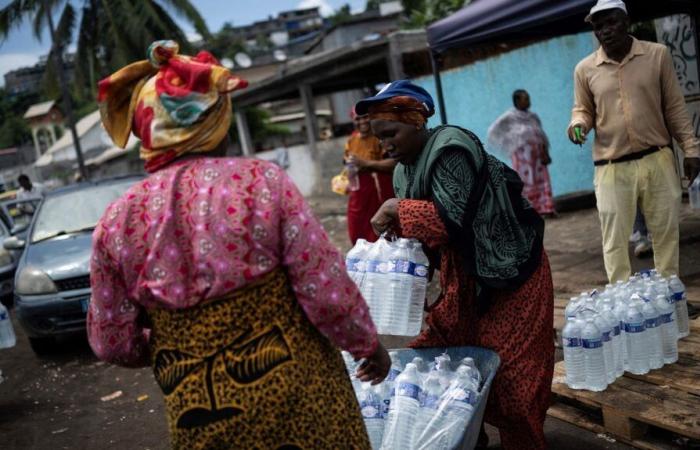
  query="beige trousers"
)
[{"x": 654, "y": 183}]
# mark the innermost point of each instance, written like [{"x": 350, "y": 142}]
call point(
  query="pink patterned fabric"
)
[
  {"x": 198, "y": 230},
  {"x": 527, "y": 161}
]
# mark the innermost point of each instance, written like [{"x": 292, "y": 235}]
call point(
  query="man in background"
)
[{"x": 628, "y": 91}]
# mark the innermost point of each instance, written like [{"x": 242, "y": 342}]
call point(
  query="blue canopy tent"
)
[{"x": 492, "y": 21}]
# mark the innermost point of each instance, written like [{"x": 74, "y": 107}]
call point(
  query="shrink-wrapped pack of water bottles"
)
[
  {"x": 392, "y": 276},
  {"x": 631, "y": 326},
  {"x": 422, "y": 406}
]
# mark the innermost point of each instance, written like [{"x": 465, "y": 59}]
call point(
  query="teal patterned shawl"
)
[{"x": 496, "y": 230}]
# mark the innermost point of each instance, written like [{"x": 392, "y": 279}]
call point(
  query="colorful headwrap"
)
[
  {"x": 175, "y": 104},
  {"x": 400, "y": 109}
]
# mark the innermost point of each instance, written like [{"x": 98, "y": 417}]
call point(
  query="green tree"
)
[
  {"x": 343, "y": 14},
  {"x": 372, "y": 5},
  {"x": 111, "y": 33},
  {"x": 421, "y": 13}
]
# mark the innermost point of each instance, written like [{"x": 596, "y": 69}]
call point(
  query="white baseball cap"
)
[{"x": 604, "y": 5}]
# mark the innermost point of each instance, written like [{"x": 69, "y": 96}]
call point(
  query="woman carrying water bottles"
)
[
  {"x": 215, "y": 271},
  {"x": 467, "y": 209}
]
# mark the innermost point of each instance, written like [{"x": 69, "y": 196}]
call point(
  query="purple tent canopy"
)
[{"x": 504, "y": 20}]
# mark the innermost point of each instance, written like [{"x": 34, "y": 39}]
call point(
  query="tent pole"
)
[{"x": 434, "y": 58}]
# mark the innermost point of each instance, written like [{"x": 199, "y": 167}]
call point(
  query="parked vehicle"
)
[
  {"x": 8, "y": 264},
  {"x": 52, "y": 283},
  {"x": 17, "y": 214}
]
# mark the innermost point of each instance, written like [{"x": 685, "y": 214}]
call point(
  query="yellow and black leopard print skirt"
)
[{"x": 251, "y": 372}]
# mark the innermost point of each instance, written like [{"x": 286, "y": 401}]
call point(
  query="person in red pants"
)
[
  {"x": 467, "y": 209},
  {"x": 363, "y": 150}
]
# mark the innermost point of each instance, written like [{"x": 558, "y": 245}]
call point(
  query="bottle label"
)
[
  {"x": 370, "y": 410},
  {"x": 616, "y": 330},
  {"x": 431, "y": 401},
  {"x": 374, "y": 266},
  {"x": 400, "y": 266},
  {"x": 420, "y": 271},
  {"x": 463, "y": 396},
  {"x": 666, "y": 318},
  {"x": 3, "y": 315},
  {"x": 592, "y": 343},
  {"x": 678, "y": 296},
  {"x": 408, "y": 390},
  {"x": 634, "y": 327},
  {"x": 652, "y": 323},
  {"x": 572, "y": 342},
  {"x": 393, "y": 373},
  {"x": 353, "y": 264},
  {"x": 606, "y": 336}
]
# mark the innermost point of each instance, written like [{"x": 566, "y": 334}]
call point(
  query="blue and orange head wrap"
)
[
  {"x": 399, "y": 101},
  {"x": 175, "y": 104}
]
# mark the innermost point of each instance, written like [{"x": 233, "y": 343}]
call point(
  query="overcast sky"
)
[{"x": 22, "y": 49}]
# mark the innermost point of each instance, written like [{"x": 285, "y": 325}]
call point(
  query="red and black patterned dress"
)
[{"x": 517, "y": 325}]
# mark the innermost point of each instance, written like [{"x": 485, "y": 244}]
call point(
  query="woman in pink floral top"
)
[{"x": 215, "y": 271}]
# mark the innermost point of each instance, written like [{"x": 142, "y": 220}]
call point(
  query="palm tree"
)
[{"x": 111, "y": 34}]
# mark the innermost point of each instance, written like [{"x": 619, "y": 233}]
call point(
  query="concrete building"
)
[
  {"x": 46, "y": 122},
  {"x": 29, "y": 80}
]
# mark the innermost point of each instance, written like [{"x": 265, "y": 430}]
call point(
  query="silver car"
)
[{"x": 52, "y": 283}]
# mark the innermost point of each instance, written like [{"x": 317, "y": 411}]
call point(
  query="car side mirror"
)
[
  {"x": 13, "y": 243},
  {"x": 19, "y": 228}
]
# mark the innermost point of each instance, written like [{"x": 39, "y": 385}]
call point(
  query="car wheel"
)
[{"x": 42, "y": 346}]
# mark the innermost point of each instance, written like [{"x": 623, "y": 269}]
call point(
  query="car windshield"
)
[{"x": 77, "y": 210}]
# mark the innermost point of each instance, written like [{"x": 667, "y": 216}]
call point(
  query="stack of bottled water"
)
[
  {"x": 632, "y": 326},
  {"x": 421, "y": 406},
  {"x": 393, "y": 277},
  {"x": 7, "y": 333}
]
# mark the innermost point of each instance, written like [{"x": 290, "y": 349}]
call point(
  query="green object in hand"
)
[{"x": 579, "y": 136}]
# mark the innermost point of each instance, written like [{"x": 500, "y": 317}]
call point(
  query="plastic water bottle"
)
[
  {"x": 573, "y": 355},
  {"x": 594, "y": 359},
  {"x": 637, "y": 342},
  {"x": 678, "y": 291},
  {"x": 429, "y": 404},
  {"x": 469, "y": 362},
  {"x": 396, "y": 366},
  {"x": 383, "y": 391},
  {"x": 616, "y": 335},
  {"x": 456, "y": 410},
  {"x": 355, "y": 261},
  {"x": 399, "y": 282},
  {"x": 419, "y": 272},
  {"x": 694, "y": 193},
  {"x": 443, "y": 370},
  {"x": 7, "y": 333},
  {"x": 353, "y": 177},
  {"x": 653, "y": 330},
  {"x": 371, "y": 409},
  {"x": 620, "y": 312},
  {"x": 668, "y": 329},
  {"x": 606, "y": 335},
  {"x": 403, "y": 410},
  {"x": 373, "y": 286},
  {"x": 573, "y": 307},
  {"x": 349, "y": 362}
]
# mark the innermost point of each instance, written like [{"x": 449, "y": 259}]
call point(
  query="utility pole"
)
[{"x": 57, "y": 51}]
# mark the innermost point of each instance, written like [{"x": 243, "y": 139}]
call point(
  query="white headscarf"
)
[{"x": 514, "y": 130}]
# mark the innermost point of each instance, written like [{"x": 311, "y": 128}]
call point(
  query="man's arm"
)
[{"x": 583, "y": 112}]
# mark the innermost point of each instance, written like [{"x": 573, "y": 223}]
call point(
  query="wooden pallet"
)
[{"x": 659, "y": 410}]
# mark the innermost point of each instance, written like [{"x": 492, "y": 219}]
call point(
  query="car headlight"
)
[
  {"x": 33, "y": 281},
  {"x": 5, "y": 257}
]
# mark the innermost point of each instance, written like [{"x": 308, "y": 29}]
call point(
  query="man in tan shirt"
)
[{"x": 628, "y": 91}]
